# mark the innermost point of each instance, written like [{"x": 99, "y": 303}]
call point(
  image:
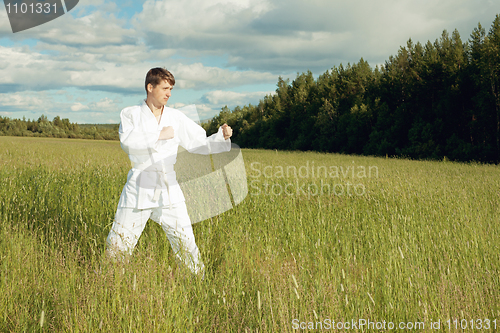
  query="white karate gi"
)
[{"x": 152, "y": 190}]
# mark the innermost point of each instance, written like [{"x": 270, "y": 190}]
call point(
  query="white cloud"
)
[
  {"x": 79, "y": 107},
  {"x": 98, "y": 27},
  {"x": 211, "y": 103},
  {"x": 198, "y": 76},
  {"x": 184, "y": 18},
  {"x": 209, "y": 45},
  {"x": 104, "y": 105},
  {"x": 232, "y": 98},
  {"x": 195, "y": 113},
  {"x": 25, "y": 100},
  {"x": 291, "y": 35},
  {"x": 206, "y": 111},
  {"x": 261, "y": 36},
  {"x": 28, "y": 69}
]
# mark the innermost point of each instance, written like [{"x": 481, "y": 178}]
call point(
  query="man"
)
[{"x": 150, "y": 134}]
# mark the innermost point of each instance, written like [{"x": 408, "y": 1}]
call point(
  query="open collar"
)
[{"x": 151, "y": 117}]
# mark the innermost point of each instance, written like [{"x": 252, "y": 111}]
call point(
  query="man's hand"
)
[
  {"x": 166, "y": 133},
  {"x": 227, "y": 131}
]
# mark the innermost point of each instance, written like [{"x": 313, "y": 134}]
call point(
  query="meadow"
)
[{"x": 322, "y": 242}]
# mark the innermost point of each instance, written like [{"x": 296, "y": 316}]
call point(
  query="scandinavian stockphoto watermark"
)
[
  {"x": 388, "y": 325},
  {"x": 26, "y": 14},
  {"x": 310, "y": 179},
  {"x": 358, "y": 324}
]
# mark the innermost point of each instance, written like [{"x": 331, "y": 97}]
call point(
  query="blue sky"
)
[{"x": 90, "y": 63}]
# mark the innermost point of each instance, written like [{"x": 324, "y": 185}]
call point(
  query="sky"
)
[{"x": 90, "y": 63}]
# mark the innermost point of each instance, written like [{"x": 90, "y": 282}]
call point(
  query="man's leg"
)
[
  {"x": 126, "y": 230},
  {"x": 177, "y": 226}
]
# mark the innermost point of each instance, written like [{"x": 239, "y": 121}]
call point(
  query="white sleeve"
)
[
  {"x": 133, "y": 140},
  {"x": 194, "y": 139}
]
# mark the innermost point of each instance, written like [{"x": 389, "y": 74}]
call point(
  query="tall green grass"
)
[{"x": 420, "y": 244}]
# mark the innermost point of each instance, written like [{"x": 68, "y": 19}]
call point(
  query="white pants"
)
[{"x": 130, "y": 222}]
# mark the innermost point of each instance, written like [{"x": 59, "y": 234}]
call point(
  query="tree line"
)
[
  {"x": 433, "y": 101},
  {"x": 57, "y": 128}
]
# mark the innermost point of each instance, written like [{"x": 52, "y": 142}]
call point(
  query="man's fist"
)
[
  {"x": 166, "y": 133},
  {"x": 227, "y": 131}
]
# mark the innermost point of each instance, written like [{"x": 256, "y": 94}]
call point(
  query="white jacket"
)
[{"x": 152, "y": 181}]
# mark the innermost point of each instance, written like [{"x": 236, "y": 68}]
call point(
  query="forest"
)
[
  {"x": 435, "y": 101},
  {"x": 440, "y": 100},
  {"x": 57, "y": 128}
]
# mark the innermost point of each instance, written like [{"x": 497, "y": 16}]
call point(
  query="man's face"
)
[{"x": 161, "y": 93}]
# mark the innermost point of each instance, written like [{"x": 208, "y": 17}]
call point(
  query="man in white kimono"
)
[{"x": 150, "y": 134}]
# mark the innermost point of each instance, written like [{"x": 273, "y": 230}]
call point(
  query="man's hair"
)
[{"x": 157, "y": 75}]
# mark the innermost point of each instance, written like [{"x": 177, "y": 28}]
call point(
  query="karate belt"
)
[
  {"x": 162, "y": 170},
  {"x": 162, "y": 177}
]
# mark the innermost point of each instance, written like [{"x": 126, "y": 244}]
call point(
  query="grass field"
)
[{"x": 321, "y": 241}]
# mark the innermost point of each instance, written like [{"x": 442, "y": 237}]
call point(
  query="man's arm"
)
[{"x": 194, "y": 138}]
